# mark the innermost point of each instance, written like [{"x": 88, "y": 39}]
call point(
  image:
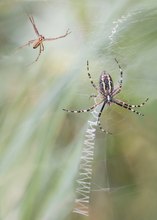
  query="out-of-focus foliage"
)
[{"x": 40, "y": 145}]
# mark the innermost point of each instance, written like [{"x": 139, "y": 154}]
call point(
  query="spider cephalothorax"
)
[
  {"x": 107, "y": 92},
  {"x": 38, "y": 42}
]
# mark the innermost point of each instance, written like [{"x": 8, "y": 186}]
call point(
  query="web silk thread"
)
[{"x": 85, "y": 171}]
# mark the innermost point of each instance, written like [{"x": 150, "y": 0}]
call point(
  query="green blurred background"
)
[{"x": 40, "y": 145}]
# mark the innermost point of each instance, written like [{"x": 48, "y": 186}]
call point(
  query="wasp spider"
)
[{"x": 107, "y": 92}]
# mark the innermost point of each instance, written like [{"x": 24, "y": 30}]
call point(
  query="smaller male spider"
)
[
  {"x": 107, "y": 92},
  {"x": 39, "y": 41}
]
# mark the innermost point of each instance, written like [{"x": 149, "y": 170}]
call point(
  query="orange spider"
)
[{"x": 39, "y": 41}]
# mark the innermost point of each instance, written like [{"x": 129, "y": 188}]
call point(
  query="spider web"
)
[
  {"x": 84, "y": 179},
  {"x": 87, "y": 183}
]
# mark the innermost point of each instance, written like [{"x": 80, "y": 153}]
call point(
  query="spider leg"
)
[
  {"x": 83, "y": 110},
  {"x": 138, "y": 106},
  {"x": 128, "y": 106},
  {"x": 134, "y": 106},
  {"x": 33, "y": 23},
  {"x": 93, "y": 96},
  {"x": 93, "y": 84},
  {"x": 117, "y": 90},
  {"x": 99, "y": 123},
  {"x": 27, "y": 44},
  {"x": 42, "y": 47},
  {"x": 40, "y": 50},
  {"x": 55, "y": 38}
]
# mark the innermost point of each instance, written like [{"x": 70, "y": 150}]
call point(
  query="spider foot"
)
[
  {"x": 68, "y": 32},
  {"x": 106, "y": 132},
  {"x": 92, "y": 96},
  {"x": 101, "y": 128}
]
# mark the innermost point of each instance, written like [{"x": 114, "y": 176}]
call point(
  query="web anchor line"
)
[{"x": 83, "y": 188}]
